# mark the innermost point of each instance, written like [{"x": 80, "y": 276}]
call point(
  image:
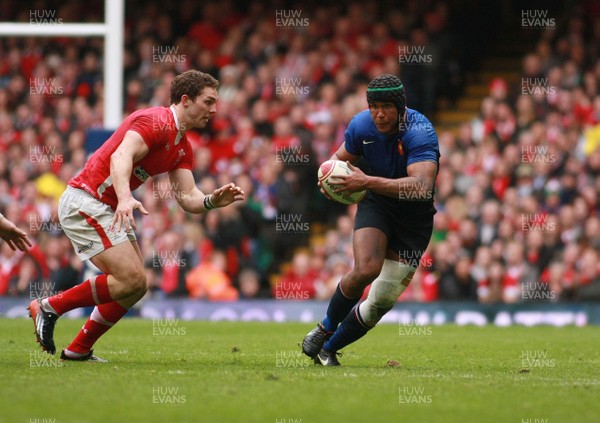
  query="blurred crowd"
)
[{"x": 517, "y": 194}]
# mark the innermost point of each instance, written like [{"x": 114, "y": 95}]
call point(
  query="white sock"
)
[
  {"x": 47, "y": 307},
  {"x": 73, "y": 354}
]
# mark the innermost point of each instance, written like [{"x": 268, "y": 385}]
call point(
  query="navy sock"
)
[
  {"x": 351, "y": 329},
  {"x": 339, "y": 307}
]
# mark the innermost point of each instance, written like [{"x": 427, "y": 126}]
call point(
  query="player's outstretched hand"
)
[
  {"x": 14, "y": 237},
  {"x": 226, "y": 195},
  {"x": 124, "y": 215}
]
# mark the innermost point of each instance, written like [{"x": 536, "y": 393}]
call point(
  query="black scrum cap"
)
[{"x": 387, "y": 88}]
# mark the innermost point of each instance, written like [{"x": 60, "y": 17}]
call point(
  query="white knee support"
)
[{"x": 385, "y": 290}]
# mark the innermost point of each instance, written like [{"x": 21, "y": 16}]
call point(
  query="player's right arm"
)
[
  {"x": 132, "y": 149},
  {"x": 343, "y": 155}
]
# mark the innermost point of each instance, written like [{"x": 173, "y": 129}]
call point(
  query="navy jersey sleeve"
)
[
  {"x": 352, "y": 141},
  {"x": 423, "y": 147}
]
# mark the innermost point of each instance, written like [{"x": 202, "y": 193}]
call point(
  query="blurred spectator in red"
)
[{"x": 299, "y": 282}]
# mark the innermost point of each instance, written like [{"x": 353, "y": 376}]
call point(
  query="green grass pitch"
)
[{"x": 184, "y": 371}]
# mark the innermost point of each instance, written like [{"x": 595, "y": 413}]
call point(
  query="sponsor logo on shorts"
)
[{"x": 85, "y": 247}]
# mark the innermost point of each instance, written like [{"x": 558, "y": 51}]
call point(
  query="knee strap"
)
[{"x": 385, "y": 290}]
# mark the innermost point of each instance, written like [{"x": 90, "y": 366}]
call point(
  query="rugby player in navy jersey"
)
[{"x": 399, "y": 149}]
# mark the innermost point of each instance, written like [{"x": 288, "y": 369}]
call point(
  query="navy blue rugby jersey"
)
[{"x": 388, "y": 156}]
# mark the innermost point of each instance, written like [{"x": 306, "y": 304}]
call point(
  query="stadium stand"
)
[{"x": 518, "y": 121}]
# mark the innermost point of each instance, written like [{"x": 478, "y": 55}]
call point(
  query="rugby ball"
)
[{"x": 327, "y": 171}]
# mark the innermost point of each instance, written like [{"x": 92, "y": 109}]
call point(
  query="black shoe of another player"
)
[
  {"x": 43, "y": 323},
  {"x": 314, "y": 340},
  {"x": 87, "y": 357},
  {"x": 326, "y": 358}
]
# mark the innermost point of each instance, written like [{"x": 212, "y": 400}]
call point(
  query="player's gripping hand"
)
[
  {"x": 354, "y": 182},
  {"x": 124, "y": 214},
  {"x": 226, "y": 195},
  {"x": 324, "y": 192}
]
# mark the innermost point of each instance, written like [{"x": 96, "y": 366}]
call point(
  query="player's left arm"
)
[
  {"x": 418, "y": 184},
  {"x": 192, "y": 200}
]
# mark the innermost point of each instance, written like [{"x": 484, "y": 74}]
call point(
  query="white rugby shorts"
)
[{"x": 85, "y": 220}]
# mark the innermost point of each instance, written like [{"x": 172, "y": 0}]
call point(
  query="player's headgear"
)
[{"x": 387, "y": 88}]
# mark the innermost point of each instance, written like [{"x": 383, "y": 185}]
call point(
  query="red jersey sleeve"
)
[{"x": 145, "y": 125}]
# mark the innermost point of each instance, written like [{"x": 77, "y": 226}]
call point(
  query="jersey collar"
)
[{"x": 178, "y": 137}]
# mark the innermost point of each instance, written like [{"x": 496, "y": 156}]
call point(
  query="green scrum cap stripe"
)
[{"x": 399, "y": 87}]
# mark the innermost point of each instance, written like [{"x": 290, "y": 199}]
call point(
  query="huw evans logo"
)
[
  {"x": 290, "y": 359},
  {"x": 39, "y": 224},
  {"x": 290, "y": 18},
  {"x": 536, "y": 87},
  {"x": 291, "y": 291},
  {"x": 414, "y": 55},
  {"x": 414, "y": 191},
  {"x": 413, "y": 329},
  {"x": 170, "y": 327},
  {"x": 44, "y": 16},
  {"x": 167, "y": 395},
  {"x": 538, "y": 222},
  {"x": 45, "y": 86},
  {"x": 413, "y": 395},
  {"x": 290, "y": 86},
  {"x": 167, "y": 54},
  {"x": 39, "y": 358},
  {"x": 537, "y": 358},
  {"x": 167, "y": 258},
  {"x": 291, "y": 223},
  {"x": 537, "y": 154},
  {"x": 44, "y": 154},
  {"x": 292, "y": 155},
  {"x": 536, "y": 19},
  {"x": 537, "y": 291}
]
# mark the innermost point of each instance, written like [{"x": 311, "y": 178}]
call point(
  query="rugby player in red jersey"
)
[{"x": 96, "y": 209}]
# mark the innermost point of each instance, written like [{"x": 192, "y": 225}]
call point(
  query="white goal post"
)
[{"x": 112, "y": 30}]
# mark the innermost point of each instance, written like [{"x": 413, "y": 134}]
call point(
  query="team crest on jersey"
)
[
  {"x": 141, "y": 173},
  {"x": 400, "y": 148}
]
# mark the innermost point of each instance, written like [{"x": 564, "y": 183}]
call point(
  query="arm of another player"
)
[
  {"x": 132, "y": 149},
  {"x": 191, "y": 199},
  {"x": 14, "y": 237},
  {"x": 418, "y": 184}
]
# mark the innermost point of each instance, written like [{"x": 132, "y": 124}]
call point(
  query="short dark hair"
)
[{"x": 192, "y": 83}]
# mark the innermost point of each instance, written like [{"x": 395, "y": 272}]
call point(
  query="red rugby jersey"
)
[{"x": 168, "y": 150}]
